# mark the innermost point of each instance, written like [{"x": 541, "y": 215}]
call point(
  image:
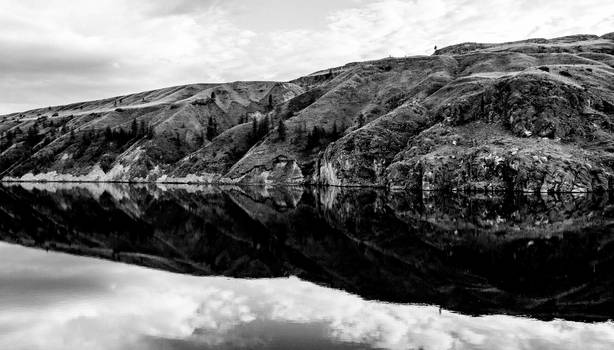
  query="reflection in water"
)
[
  {"x": 57, "y": 301},
  {"x": 542, "y": 256}
]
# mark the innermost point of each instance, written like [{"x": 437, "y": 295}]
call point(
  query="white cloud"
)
[
  {"x": 56, "y": 52},
  {"x": 395, "y": 27}
]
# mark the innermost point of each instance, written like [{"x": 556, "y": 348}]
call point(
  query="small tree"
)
[
  {"x": 122, "y": 135},
  {"x": 108, "y": 134},
  {"x": 314, "y": 137},
  {"x": 88, "y": 136},
  {"x": 335, "y": 132},
  {"x": 200, "y": 138},
  {"x": 264, "y": 126},
  {"x": 150, "y": 132},
  {"x": 32, "y": 135},
  {"x": 281, "y": 130},
  {"x": 134, "y": 128},
  {"x": 361, "y": 120},
  {"x": 211, "y": 129},
  {"x": 254, "y": 134},
  {"x": 142, "y": 128},
  {"x": 9, "y": 137}
]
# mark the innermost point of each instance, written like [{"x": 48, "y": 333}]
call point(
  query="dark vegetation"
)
[
  {"x": 319, "y": 136},
  {"x": 260, "y": 128},
  {"x": 212, "y": 126},
  {"x": 84, "y": 145}
]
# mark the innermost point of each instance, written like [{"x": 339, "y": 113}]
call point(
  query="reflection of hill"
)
[{"x": 544, "y": 256}]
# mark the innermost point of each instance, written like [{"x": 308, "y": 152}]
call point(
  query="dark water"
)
[{"x": 301, "y": 268}]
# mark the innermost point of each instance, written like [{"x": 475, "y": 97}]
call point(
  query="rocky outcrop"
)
[
  {"x": 454, "y": 161},
  {"x": 531, "y": 132},
  {"x": 534, "y": 115},
  {"x": 362, "y": 156}
]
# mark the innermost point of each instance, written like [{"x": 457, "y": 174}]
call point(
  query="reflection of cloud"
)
[
  {"x": 125, "y": 307},
  {"x": 221, "y": 312},
  {"x": 393, "y": 326}
]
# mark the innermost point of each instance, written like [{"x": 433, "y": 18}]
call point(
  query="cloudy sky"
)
[{"x": 61, "y": 51}]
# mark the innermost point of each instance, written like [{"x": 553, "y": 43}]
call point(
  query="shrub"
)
[
  {"x": 106, "y": 162},
  {"x": 281, "y": 130}
]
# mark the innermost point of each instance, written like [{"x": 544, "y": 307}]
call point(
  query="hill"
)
[{"x": 533, "y": 116}]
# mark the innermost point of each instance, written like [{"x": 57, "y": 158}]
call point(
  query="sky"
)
[
  {"x": 60, "y": 51},
  {"x": 58, "y": 301}
]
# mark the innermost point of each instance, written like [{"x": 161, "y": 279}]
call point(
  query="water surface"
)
[{"x": 302, "y": 268}]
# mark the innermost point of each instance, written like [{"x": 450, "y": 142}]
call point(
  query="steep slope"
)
[{"x": 535, "y": 115}]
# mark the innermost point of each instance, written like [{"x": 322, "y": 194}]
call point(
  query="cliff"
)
[{"x": 531, "y": 116}]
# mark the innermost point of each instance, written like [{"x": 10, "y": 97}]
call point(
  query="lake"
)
[{"x": 113, "y": 266}]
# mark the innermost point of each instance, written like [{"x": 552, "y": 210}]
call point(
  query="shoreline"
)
[{"x": 16, "y": 181}]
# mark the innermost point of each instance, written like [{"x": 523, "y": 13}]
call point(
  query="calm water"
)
[{"x": 93, "y": 266}]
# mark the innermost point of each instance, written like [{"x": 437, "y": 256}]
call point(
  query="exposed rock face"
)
[
  {"x": 484, "y": 141},
  {"x": 362, "y": 156},
  {"x": 535, "y": 115}
]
